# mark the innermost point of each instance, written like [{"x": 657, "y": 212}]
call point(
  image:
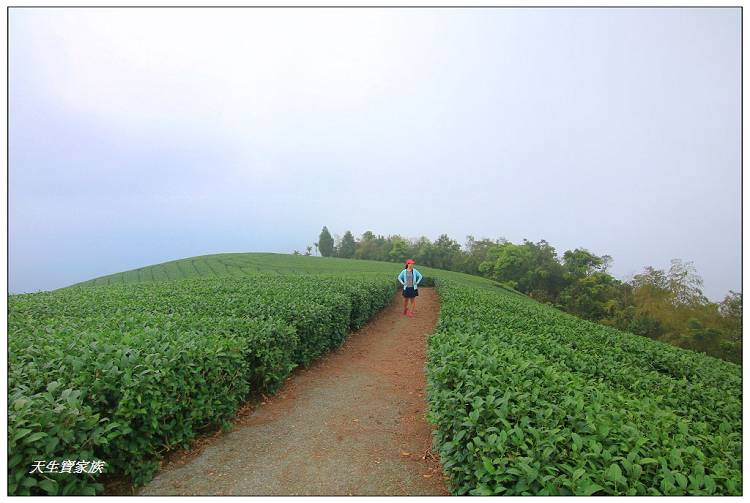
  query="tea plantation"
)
[
  {"x": 123, "y": 373},
  {"x": 530, "y": 400},
  {"x": 525, "y": 399},
  {"x": 224, "y": 265}
]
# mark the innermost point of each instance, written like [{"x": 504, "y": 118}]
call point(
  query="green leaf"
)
[
  {"x": 29, "y": 482},
  {"x": 483, "y": 490},
  {"x": 709, "y": 484},
  {"x": 488, "y": 465},
  {"x": 20, "y": 434},
  {"x": 588, "y": 489},
  {"x": 683, "y": 427},
  {"x": 578, "y": 473},
  {"x": 88, "y": 491},
  {"x": 636, "y": 471},
  {"x": 614, "y": 473},
  {"x": 35, "y": 436},
  {"x": 49, "y": 486},
  {"x": 681, "y": 480},
  {"x": 19, "y": 403}
]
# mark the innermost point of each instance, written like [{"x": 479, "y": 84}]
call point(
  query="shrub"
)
[
  {"x": 124, "y": 373},
  {"x": 530, "y": 400}
]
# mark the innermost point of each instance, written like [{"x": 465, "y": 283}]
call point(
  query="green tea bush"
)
[
  {"x": 529, "y": 400},
  {"x": 427, "y": 281},
  {"x": 126, "y": 372},
  {"x": 52, "y": 424}
]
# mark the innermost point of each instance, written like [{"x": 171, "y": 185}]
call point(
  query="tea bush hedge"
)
[
  {"x": 526, "y": 399},
  {"x": 530, "y": 400},
  {"x": 126, "y": 372}
]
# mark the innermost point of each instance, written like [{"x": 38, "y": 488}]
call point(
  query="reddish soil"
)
[{"x": 351, "y": 424}]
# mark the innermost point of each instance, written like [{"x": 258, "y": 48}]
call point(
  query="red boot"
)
[{"x": 411, "y": 314}]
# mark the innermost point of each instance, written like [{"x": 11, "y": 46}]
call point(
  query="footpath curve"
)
[{"x": 351, "y": 424}]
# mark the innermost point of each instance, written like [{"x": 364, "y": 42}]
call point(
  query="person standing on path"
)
[{"x": 410, "y": 278}]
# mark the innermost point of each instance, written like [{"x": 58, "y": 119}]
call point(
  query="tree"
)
[
  {"x": 309, "y": 251},
  {"x": 702, "y": 338},
  {"x": 546, "y": 279},
  {"x": 476, "y": 252},
  {"x": 316, "y": 248},
  {"x": 347, "y": 247},
  {"x": 384, "y": 246},
  {"x": 674, "y": 300},
  {"x": 730, "y": 310},
  {"x": 399, "y": 250},
  {"x": 421, "y": 251},
  {"x": 651, "y": 277},
  {"x": 685, "y": 284},
  {"x": 731, "y": 306},
  {"x": 336, "y": 245},
  {"x": 325, "y": 243},
  {"x": 444, "y": 252},
  {"x": 652, "y": 302},
  {"x": 581, "y": 262},
  {"x": 593, "y": 296},
  {"x": 367, "y": 247},
  {"x": 532, "y": 268},
  {"x": 507, "y": 263},
  {"x": 646, "y": 325}
]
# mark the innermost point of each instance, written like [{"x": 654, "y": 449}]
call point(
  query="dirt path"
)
[{"x": 352, "y": 424}]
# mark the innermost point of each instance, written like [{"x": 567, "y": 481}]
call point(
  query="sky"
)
[{"x": 138, "y": 136}]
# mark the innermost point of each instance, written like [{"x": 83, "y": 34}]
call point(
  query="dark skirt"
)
[{"x": 409, "y": 292}]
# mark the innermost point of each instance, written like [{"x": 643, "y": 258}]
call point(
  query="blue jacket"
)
[{"x": 417, "y": 277}]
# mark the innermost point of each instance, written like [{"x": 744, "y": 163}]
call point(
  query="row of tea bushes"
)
[
  {"x": 125, "y": 373},
  {"x": 530, "y": 400}
]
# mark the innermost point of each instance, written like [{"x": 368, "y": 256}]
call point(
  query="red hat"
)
[{"x": 409, "y": 261}]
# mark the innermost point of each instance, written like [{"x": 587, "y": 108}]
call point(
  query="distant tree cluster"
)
[{"x": 663, "y": 305}]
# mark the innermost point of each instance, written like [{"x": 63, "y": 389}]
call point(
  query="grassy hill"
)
[
  {"x": 526, "y": 399},
  {"x": 239, "y": 264},
  {"x": 225, "y": 265}
]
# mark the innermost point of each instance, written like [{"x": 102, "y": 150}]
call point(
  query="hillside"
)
[
  {"x": 526, "y": 399},
  {"x": 243, "y": 264},
  {"x": 530, "y": 400},
  {"x": 224, "y": 265}
]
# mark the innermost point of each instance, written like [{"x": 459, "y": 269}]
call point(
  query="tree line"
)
[{"x": 666, "y": 305}]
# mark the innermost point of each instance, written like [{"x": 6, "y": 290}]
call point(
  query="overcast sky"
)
[{"x": 139, "y": 136}]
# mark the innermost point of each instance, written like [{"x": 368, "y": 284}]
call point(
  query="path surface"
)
[{"x": 352, "y": 424}]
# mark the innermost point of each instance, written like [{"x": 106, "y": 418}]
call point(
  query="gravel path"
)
[{"x": 352, "y": 424}]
